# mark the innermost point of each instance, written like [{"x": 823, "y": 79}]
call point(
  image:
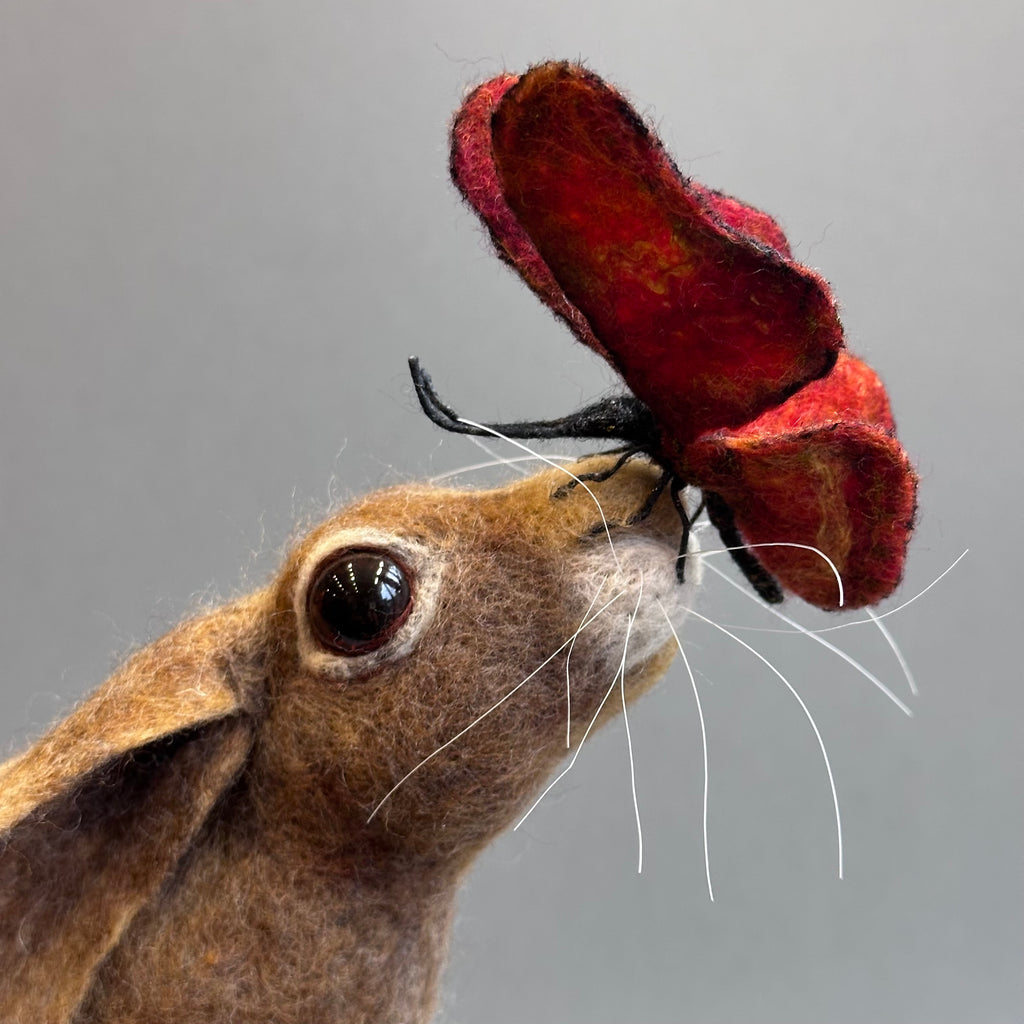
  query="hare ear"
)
[{"x": 96, "y": 815}]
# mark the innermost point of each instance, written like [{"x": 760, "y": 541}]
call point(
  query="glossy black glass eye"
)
[{"x": 357, "y": 600}]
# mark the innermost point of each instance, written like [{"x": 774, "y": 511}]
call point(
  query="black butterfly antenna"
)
[{"x": 621, "y": 418}]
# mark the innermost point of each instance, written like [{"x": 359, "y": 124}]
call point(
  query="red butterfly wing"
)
[
  {"x": 692, "y": 298},
  {"x": 823, "y": 470}
]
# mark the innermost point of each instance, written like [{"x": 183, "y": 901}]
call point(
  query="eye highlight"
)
[{"x": 357, "y": 600}]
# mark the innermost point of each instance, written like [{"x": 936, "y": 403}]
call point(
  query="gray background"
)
[{"x": 224, "y": 226}]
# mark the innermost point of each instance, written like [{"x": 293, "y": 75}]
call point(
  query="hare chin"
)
[{"x": 646, "y": 572}]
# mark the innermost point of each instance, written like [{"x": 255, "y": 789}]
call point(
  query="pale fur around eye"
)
[{"x": 424, "y": 569}]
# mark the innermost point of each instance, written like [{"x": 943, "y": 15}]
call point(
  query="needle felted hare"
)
[{"x": 228, "y": 828}]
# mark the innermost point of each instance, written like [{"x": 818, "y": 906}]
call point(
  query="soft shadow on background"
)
[{"x": 224, "y": 227}]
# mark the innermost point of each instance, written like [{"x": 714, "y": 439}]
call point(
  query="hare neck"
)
[{"x": 341, "y": 942}]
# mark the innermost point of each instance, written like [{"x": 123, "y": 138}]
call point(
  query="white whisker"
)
[
  {"x": 807, "y": 713},
  {"x": 873, "y": 617},
  {"x": 565, "y": 771},
  {"x": 704, "y": 746},
  {"x": 494, "y": 707},
  {"x": 891, "y": 641},
  {"x": 892, "y": 611},
  {"x": 554, "y": 465},
  {"x": 629, "y": 738},
  {"x": 797, "y": 627},
  {"x": 785, "y": 544},
  {"x": 568, "y": 659},
  {"x": 498, "y": 460},
  {"x": 590, "y": 725},
  {"x": 491, "y": 463}
]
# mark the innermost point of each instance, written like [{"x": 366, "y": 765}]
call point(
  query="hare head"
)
[{"x": 264, "y": 815}]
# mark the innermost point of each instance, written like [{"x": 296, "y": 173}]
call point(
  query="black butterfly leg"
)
[
  {"x": 760, "y": 579},
  {"x": 684, "y": 518},
  {"x": 652, "y": 499},
  {"x": 668, "y": 477},
  {"x": 599, "y": 476}
]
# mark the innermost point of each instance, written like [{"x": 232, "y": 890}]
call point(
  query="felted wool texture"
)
[
  {"x": 695, "y": 298},
  {"x": 472, "y": 169},
  {"x": 195, "y": 841},
  {"x": 708, "y": 322},
  {"x": 851, "y": 393},
  {"x": 823, "y": 469},
  {"x": 845, "y": 489},
  {"x": 97, "y": 813}
]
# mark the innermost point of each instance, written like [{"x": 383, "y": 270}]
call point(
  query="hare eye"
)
[{"x": 357, "y": 601}]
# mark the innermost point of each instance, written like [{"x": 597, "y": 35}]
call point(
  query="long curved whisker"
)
[
  {"x": 874, "y": 617},
  {"x": 785, "y": 544},
  {"x": 491, "y": 463},
  {"x": 797, "y": 627},
  {"x": 590, "y": 725},
  {"x": 891, "y": 641},
  {"x": 629, "y": 738},
  {"x": 568, "y": 768},
  {"x": 494, "y": 707},
  {"x": 493, "y": 454},
  {"x": 554, "y": 465},
  {"x": 892, "y": 611},
  {"x": 703, "y": 743},
  {"x": 808, "y": 715}
]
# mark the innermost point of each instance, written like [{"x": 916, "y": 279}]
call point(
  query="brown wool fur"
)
[{"x": 192, "y": 843}]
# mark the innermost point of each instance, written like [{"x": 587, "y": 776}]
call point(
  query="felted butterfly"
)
[{"x": 732, "y": 351}]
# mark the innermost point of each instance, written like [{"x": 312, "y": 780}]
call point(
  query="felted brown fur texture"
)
[{"x": 204, "y": 838}]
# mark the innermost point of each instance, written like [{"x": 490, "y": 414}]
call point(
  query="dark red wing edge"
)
[
  {"x": 851, "y": 393},
  {"x": 474, "y": 174}
]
